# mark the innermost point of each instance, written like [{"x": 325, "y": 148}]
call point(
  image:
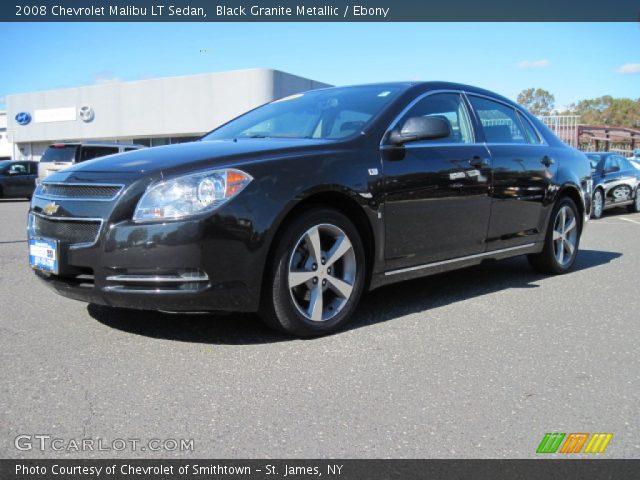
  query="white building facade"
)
[
  {"x": 6, "y": 147},
  {"x": 151, "y": 112}
]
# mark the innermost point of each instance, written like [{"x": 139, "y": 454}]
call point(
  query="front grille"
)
[
  {"x": 79, "y": 191},
  {"x": 72, "y": 231}
]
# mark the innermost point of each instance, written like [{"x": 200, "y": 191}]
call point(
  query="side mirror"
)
[
  {"x": 420, "y": 128},
  {"x": 612, "y": 169}
]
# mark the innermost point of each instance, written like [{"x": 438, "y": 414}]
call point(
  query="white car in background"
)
[{"x": 62, "y": 155}]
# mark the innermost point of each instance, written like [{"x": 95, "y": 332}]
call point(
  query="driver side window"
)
[
  {"x": 448, "y": 107},
  {"x": 18, "y": 169}
]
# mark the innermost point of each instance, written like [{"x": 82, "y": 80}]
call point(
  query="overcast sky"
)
[{"x": 571, "y": 60}]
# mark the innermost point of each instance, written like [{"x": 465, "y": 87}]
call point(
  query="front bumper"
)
[{"x": 207, "y": 264}]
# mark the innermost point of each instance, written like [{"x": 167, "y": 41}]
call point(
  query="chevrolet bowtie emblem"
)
[{"x": 50, "y": 208}]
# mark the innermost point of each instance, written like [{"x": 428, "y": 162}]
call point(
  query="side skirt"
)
[{"x": 399, "y": 275}]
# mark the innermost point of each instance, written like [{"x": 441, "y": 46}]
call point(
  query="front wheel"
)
[
  {"x": 561, "y": 241},
  {"x": 317, "y": 275},
  {"x": 597, "y": 204}
]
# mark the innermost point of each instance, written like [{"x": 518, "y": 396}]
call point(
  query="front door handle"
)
[
  {"x": 547, "y": 161},
  {"x": 478, "y": 162}
]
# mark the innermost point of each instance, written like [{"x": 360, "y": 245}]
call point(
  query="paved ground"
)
[{"x": 476, "y": 363}]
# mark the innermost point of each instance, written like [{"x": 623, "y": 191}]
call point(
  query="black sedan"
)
[
  {"x": 296, "y": 208},
  {"x": 17, "y": 178},
  {"x": 615, "y": 183}
]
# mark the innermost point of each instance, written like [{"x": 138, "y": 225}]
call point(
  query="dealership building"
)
[{"x": 151, "y": 112}]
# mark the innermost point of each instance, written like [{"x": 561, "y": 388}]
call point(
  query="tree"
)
[
  {"x": 537, "y": 101},
  {"x": 606, "y": 110}
]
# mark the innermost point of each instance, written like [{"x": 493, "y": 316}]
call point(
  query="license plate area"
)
[{"x": 44, "y": 254}]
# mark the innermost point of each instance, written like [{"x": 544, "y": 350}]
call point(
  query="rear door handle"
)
[
  {"x": 478, "y": 161},
  {"x": 547, "y": 161}
]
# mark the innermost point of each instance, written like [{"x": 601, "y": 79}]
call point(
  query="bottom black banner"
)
[{"x": 332, "y": 469}]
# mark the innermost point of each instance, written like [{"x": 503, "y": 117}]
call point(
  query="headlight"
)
[{"x": 190, "y": 194}]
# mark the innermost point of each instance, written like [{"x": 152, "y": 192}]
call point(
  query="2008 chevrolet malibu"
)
[{"x": 296, "y": 208}]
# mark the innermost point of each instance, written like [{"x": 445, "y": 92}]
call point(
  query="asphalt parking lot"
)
[{"x": 478, "y": 363}]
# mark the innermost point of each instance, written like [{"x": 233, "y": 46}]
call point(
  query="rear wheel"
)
[
  {"x": 598, "y": 204},
  {"x": 561, "y": 241},
  {"x": 317, "y": 275}
]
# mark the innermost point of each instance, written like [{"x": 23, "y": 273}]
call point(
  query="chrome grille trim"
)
[
  {"x": 91, "y": 192},
  {"x": 52, "y": 227},
  {"x": 157, "y": 278}
]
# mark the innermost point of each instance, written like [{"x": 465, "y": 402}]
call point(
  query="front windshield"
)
[
  {"x": 332, "y": 113},
  {"x": 4, "y": 164}
]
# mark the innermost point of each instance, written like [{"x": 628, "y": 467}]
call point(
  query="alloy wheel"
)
[
  {"x": 598, "y": 204},
  {"x": 565, "y": 236},
  {"x": 322, "y": 272}
]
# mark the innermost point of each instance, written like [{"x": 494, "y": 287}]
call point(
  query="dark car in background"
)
[
  {"x": 17, "y": 178},
  {"x": 615, "y": 183},
  {"x": 296, "y": 208},
  {"x": 62, "y": 155}
]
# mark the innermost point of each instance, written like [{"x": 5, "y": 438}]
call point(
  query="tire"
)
[
  {"x": 334, "y": 288},
  {"x": 556, "y": 256},
  {"x": 597, "y": 209},
  {"x": 635, "y": 206}
]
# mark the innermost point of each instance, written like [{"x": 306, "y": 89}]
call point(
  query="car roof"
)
[{"x": 432, "y": 85}]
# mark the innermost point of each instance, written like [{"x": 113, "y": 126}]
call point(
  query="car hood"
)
[{"x": 200, "y": 154}]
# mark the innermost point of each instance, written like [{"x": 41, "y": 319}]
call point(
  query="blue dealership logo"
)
[{"x": 23, "y": 118}]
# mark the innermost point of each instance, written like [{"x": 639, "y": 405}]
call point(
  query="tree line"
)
[{"x": 605, "y": 110}]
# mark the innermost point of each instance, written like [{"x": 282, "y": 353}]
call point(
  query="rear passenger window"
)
[
  {"x": 499, "y": 121},
  {"x": 88, "y": 153},
  {"x": 624, "y": 164},
  {"x": 449, "y": 107},
  {"x": 532, "y": 135}
]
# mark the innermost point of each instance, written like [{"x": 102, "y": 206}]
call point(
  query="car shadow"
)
[
  {"x": 14, "y": 200},
  {"x": 382, "y": 305}
]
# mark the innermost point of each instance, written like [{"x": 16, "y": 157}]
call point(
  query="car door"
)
[
  {"x": 622, "y": 180},
  {"x": 437, "y": 201},
  {"x": 615, "y": 190},
  {"x": 523, "y": 170},
  {"x": 30, "y": 183},
  {"x": 17, "y": 181},
  {"x": 631, "y": 174}
]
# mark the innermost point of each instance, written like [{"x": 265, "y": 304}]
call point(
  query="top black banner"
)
[{"x": 320, "y": 11}]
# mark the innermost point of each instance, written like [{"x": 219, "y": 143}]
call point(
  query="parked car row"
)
[
  {"x": 615, "y": 182},
  {"x": 18, "y": 178}
]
